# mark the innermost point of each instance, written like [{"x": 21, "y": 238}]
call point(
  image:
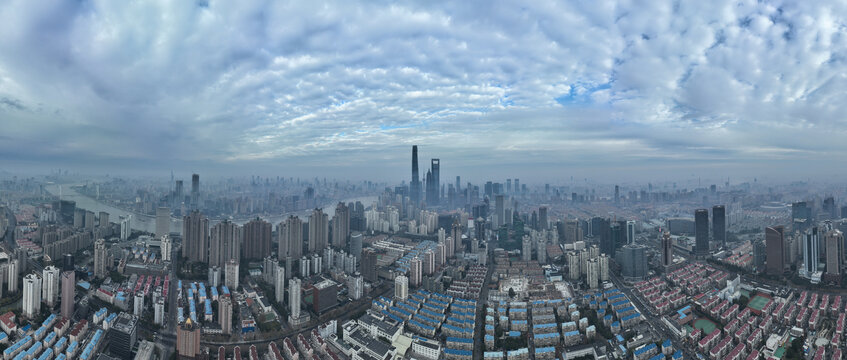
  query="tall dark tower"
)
[
  {"x": 195, "y": 191},
  {"x": 415, "y": 186},
  {"x": 719, "y": 224},
  {"x": 701, "y": 232},
  {"x": 435, "y": 167}
]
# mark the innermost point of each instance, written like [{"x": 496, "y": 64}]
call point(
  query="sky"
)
[{"x": 535, "y": 89}]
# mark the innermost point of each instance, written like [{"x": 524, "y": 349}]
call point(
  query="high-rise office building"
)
[
  {"x": 179, "y": 195},
  {"x": 719, "y": 224},
  {"x": 231, "y": 274},
  {"x": 834, "y": 240},
  {"x": 195, "y": 192},
  {"x": 634, "y": 266},
  {"x": 401, "y": 287},
  {"x": 101, "y": 256},
  {"x": 630, "y": 232},
  {"x": 50, "y": 285},
  {"x": 701, "y": 232},
  {"x": 433, "y": 183},
  {"x": 667, "y": 249},
  {"x": 224, "y": 243},
  {"x": 369, "y": 264},
  {"x": 123, "y": 335},
  {"x": 811, "y": 254},
  {"x": 500, "y": 210},
  {"x": 341, "y": 226},
  {"x": 225, "y": 314},
  {"x": 774, "y": 248},
  {"x": 31, "y": 301},
  {"x": 318, "y": 230},
  {"x": 415, "y": 271},
  {"x": 355, "y": 245},
  {"x": 188, "y": 340},
  {"x": 257, "y": 239},
  {"x": 542, "y": 218},
  {"x": 195, "y": 243},
  {"x": 290, "y": 233},
  {"x": 415, "y": 185},
  {"x": 163, "y": 221}
]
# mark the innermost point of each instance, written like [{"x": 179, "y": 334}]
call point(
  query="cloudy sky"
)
[{"x": 543, "y": 89}]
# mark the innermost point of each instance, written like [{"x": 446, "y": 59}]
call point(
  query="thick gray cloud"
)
[{"x": 541, "y": 89}]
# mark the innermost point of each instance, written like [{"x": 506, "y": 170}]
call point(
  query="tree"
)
[{"x": 511, "y": 292}]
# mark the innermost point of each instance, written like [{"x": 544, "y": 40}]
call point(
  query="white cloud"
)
[{"x": 542, "y": 82}]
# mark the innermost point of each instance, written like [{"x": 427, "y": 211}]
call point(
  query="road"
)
[{"x": 481, "y": 304}]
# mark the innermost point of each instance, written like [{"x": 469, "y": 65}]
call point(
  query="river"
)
[{"x": 147, "y": 223}]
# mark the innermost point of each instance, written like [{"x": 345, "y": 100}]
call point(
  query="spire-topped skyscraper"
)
[{"x": 415, "y": 186}]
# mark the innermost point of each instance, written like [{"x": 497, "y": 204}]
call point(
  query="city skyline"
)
[{"x": 599, "y": 90}]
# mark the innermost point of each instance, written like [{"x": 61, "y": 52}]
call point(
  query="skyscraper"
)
[
  {"x": 834, "y": 253},
  {"x": 179, "y": 196},
  {"x": 225, "y": 314},
  {"x": 341, "y": 226},
  {"x": 811, "y": 254},
  {"x": 123, "y": 335},
  {"x": 701, "y": 232},
  {"x": 667, "y": 249},
  {"x": 166, "y": 248},
  {"x": 224, "y": 243},
  {"x": 630, "y": 232},
  {"x": 100, "y": 259},
  {"x": 634, "y": 265},
  {"x": 31, "y": 301},
  {"x": 231, "y": 274},
  {"x": 415, "y": 271},
  {"x": 526, "y": 248},
  {"x": 50, "y": 286},
  {"x": 279, "y": 283},
  {"x": 290, "y": 233},
  {"x": 775, "y": 247},
  {"x": 163, "y": 221},
  {"x": 401, "y": 287},
  {"x": 369, "y": 264},
  {"x": 719, "y": 224},
  {"x": 433, "y": 184},
  {"x": 355, "y": 245},
  {"x": 257, "y": 239},
  {"x": 188, "y": 340},
  {"x": 294, "y": 288},
  {"x": 318, "y": 230},
  {"x": 542, "y": 218},
  {"x": 195, "y": 230},
  {"x": 499, "y": 210},
  {"x": 195, "y": 192},
  {"x": 68, "y": 286},
  {"x": 415, "y": 185}
]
